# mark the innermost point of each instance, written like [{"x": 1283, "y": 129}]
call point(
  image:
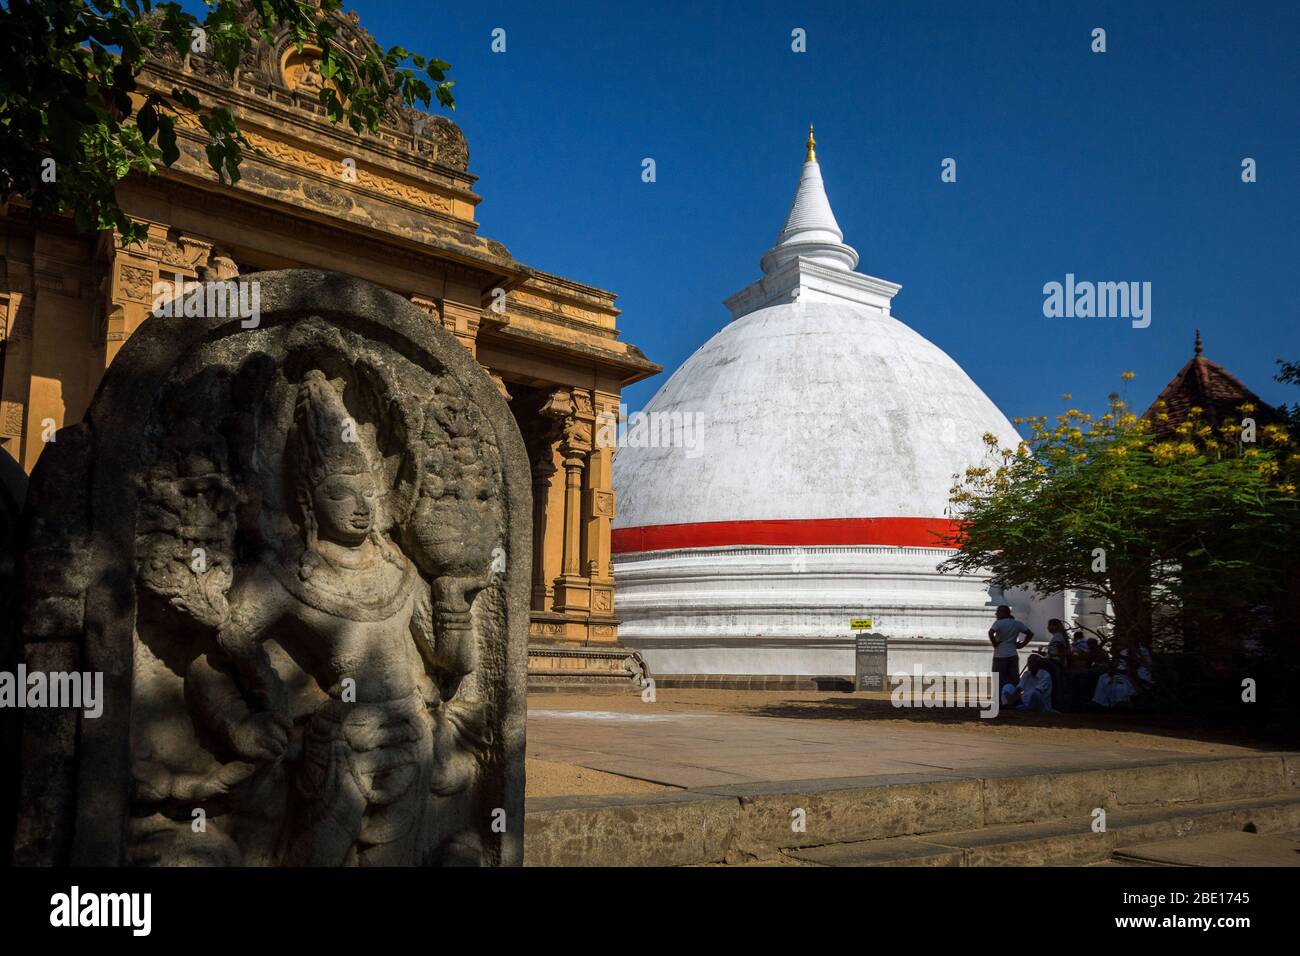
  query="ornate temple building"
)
[
  {"x": 396, "y": 209},
  {"x": 830, "y": 435}
]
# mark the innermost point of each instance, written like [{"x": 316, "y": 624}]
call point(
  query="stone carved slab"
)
[
  {"x": 13, "y": 495},
  {"x": 299, "y": 555}
]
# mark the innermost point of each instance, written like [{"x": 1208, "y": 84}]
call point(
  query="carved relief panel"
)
[{"x": 326, "y": 518}]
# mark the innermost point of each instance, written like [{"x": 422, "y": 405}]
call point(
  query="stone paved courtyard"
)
[{"x": 698, "y": 738}]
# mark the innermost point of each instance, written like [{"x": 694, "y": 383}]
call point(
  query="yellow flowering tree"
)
[{"x": 1180, "y": 528}]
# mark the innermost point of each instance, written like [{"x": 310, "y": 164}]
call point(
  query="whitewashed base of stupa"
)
[{"x": 787, "y": 611}]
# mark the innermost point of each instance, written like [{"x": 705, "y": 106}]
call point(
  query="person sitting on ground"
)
[
  {"x": 1113, "y": 688},
  {"x": 1035, "y": 690},
  {"x": 1003, "y": 635},
  {"x": 1144, "y": 678},
  {"x": 1116, "y": 687}
]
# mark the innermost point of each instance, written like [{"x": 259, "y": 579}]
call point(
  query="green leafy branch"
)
[{"x": 73, "y": 122}]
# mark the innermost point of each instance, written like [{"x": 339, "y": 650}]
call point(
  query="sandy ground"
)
[
  {"x": 549, "y": 779},
  {"x": 1084, "y": 731}
]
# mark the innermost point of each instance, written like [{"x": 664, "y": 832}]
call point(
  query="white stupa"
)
[{"x": 828, "y": 435}]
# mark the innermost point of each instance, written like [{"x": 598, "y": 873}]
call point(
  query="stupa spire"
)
[
  {"x": 810, "y": 262},
  {"x": 810, "y": 230}
]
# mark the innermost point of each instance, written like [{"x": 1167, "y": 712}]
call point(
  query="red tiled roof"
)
[{"x": 1209, "y": 386}]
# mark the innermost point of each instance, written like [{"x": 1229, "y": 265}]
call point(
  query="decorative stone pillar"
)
[
  {"x": 574, "y": 463},
  {"x": 64, "y": 309},
  {"x": 541, "y": 441},
  {"x": 18, "y": 307},
  {"x": 132, "y": 275},
  {"x": 221, "y": 266},
  {"x": 459, "y": 319},
  {"x": 462, "y": 321},
  {"x": 572, "y": 588},
  {"x": 136, "y": 274},
  {"x": 15, "y": 317},
  {"x": 499, "y": 382},
  {"x": 429, "y": 306},
  {"x": 597, "y": 518},
  {"x": 542, "y": 472}
]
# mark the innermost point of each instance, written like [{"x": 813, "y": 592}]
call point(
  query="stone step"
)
[
  {"x": 1230, "y": 848},
  {"x": 755, "y": 822},
  {"x": 1072, "y": 842}
]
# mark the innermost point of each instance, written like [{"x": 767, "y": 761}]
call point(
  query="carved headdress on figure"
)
[
  {"x": 324, "y": 432},
  {"x": 324, "y": 440}
]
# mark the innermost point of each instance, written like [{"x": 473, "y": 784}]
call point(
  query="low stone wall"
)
[{"x": 754, "y": 821}]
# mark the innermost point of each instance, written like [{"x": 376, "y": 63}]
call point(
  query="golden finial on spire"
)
[{"x": 812, "y": 146}]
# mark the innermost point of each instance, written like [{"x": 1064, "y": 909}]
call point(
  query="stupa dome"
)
[
  {"x": 817, "y": 422},
  {"x": 807, "y": 411}
]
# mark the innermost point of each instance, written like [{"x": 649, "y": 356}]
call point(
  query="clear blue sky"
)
[{"x": 1116, "y": 167}]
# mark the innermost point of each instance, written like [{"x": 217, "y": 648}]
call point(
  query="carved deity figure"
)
[{"x": 345, "y": 611}]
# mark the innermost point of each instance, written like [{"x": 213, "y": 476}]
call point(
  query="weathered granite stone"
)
[
  {"x": 13, "y": 493},
  {"x": 299, "y": 555}
]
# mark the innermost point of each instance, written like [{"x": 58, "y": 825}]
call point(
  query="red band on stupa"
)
[{"x": 899, "y": 532}]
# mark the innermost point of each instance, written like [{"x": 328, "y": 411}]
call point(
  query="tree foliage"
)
[
  {"x": 1289, "y": 373},
  {"x": 70, "y": 127},
  {"x": 1179, "y": 532}
]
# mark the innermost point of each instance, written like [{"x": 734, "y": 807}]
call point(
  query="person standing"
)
[
  {"x": 1057, "y": 663},
  {"x": 1004, "y": 635},
  {"x": 1058, "y": 642}
]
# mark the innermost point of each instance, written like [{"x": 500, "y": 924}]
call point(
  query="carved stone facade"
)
[
  {"x": 396, "y": 209},
  {"x": 290, "y": 548}
]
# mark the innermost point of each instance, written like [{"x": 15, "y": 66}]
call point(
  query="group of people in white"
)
[{"x": 1067, "y": 673}]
